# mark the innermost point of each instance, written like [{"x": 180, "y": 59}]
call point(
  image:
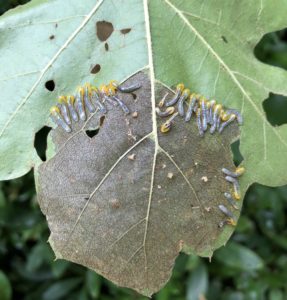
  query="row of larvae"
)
[
  {"x": 88, "y": 99},
  {"x": 231, "y": 177},
  {"x": 206, "y": 112}
]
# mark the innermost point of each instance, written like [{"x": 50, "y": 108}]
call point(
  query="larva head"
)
[
  {"x": 81, "y": 91},
  {"x": 221, "y": 113},
  {"x": 202, "y": 99},
  {"x": 71, "y": 99},
  {"x": 62, "y": 99},
  {"x": 170, "y": 110},
  {"x": 161, "y": 102},
  {"x": 186, "y": 92},
  {"x": 165, "y": 127},
  {"x": 87, "y": 86},
  {"x": 111, "y": 89},
  {"x": 236, "y": 195},
  {"x": 180, "y": 87},
  {"x": 192, "y": 95},
  {"x": 225, "y": 116},
  {"x": 231, "y": 221},
  {"x": 54, "y": 110},
  {"x": 90, "y": 89},
  {"x": 103, "y": 89},
  {"x": 94, "y": 89},
  {"x": 229, "y": 116},
  {"x": 239, "y": 171},
  {"x": 212, "y": 103},
  {"x": 218, "y": 108},
  {"x": 114, "y": 83}
]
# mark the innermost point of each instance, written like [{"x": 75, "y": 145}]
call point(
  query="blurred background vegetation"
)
[{"x": 253, "y": 265}]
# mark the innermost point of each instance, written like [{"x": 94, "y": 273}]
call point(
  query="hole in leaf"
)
[
  {"x": 275, "y": 108},
  {"x": 126, "y": 30},
  {"x": 96, "y": 69},
  {"x": 50, "y": 85},
  {"x": 106, "y": 46},
  {"x": 92, "y": 133},
  {"x": 40, "y": 142},
  {"x": 272, "y": 49},
  {"x": 237, "y": 156},
  {"x": 104, "y": 30}
]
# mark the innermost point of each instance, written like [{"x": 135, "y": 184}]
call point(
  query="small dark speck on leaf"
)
[
  {"x": 86, "y": 198},
  {"x": 224, "y": 39},
  {"x": 104, "y": 30},
  {"x": 134, "y": 96},
  {"x": 50, "y": 85},
  {"x": 106, "y": 46},
  {"x": 96, "y": 69},
  {"x": 102, "y": 120},
  {"x": 56, "y": 25},
  {"x": 51, "y": 37},
  {"x": 126, "y": 30}
]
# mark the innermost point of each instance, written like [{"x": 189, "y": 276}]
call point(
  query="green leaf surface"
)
[
  {"x": 5, "y": 287},
  {"x": 197, "y": 285},
  {"x": 93, "y": 282},
  {"x": 239, "y": 257},
  {"x": 61, "y": 289}
]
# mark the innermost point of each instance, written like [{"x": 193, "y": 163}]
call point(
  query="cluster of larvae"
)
[
  {"x": 88, "y": 99},
  {"x": 207, "y": 112},
  {"x": 231, "y": 177}
]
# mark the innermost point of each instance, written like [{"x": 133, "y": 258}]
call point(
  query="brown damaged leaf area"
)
[{"x": 126, "y": 201}]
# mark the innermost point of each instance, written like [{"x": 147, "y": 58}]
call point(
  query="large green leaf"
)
[{"x": 207, "y": 45}]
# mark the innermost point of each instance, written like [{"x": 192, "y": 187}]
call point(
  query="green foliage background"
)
[{"x": 253, "y": 265}]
